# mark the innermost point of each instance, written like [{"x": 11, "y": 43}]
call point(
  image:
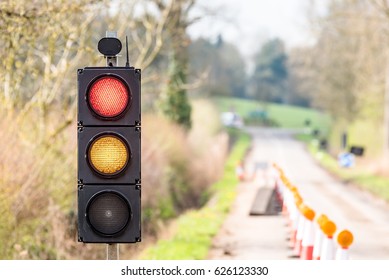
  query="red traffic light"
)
[{"x": 108, "y": 97}]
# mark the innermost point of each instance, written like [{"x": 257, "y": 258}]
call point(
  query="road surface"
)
[{"x": 265, "y": 237}]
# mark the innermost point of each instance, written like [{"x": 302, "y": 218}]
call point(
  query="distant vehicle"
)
[{"x": 231, "y": 119}]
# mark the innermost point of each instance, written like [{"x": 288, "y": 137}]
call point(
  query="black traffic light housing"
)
[
  {"x": 130, "y": 77},
  {"x": 129, "y": 228},
  {"x": 109, "y": 202},
  {"x": 131, "y": 173}
]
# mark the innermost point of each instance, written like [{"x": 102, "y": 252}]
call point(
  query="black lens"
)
[{"x": 108, "y": 213}]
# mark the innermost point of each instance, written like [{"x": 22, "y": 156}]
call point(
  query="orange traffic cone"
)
[
  {"x": 327, "y": 249},
  {"x": 300, "y": 231},
  {"x": 319, "y": 236},
  {"x": 280, "y": 191},
  {"x": 287, "y": 198},
  {"x": 293, "y": 226},
  {"x": 239, "y": 171},
  {"x": 345, "y": 239},
  {"x": 308, "y": 234},
  {"x": 275, "y": 174},
  {"x": 294, "y": 218}
]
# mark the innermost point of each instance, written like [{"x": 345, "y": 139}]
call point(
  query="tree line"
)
[
  {"x": 227, "y": 74},
  {"x": 343, "y": 72}
]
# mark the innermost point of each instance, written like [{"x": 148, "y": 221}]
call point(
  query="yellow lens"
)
[{"x": 108, "y": 155}]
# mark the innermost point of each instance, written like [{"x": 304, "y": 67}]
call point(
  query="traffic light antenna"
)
[{"x": 127, "y": 59}]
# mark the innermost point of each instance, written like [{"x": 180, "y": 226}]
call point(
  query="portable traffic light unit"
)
[{"x": 109, "y": 173}]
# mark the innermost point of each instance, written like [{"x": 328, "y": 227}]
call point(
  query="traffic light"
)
[{"x": 109, "y": 172}]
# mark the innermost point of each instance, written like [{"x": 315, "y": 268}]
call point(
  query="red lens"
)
[{"x": 108, "y": 97}]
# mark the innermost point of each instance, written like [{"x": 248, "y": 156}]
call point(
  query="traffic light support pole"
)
[
  {"x": 112, "y": 249},
  {"x": 112, "y": 61}
]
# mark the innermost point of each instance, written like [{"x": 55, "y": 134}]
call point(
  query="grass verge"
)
[
  {"x": 196, "y": 228},
  {"x": 377, "y": 185}
]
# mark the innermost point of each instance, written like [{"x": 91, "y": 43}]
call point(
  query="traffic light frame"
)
[
  {"x": 109, "y": 152},
  {"x": 129, "y": 229},
  {"x": 131, "y": 115},
  {"x": 130, "y": 173}
]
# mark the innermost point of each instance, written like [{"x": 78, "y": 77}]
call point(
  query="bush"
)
[{"x": 177, "y": 167}]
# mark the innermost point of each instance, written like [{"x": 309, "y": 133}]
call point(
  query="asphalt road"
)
[{"x": 264, "y": 237}]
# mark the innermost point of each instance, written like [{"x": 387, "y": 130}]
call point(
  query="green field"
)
[{"x": 281, "y": 115}]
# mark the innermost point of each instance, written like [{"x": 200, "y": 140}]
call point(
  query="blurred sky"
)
[{"x": 249, "y": 23}]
